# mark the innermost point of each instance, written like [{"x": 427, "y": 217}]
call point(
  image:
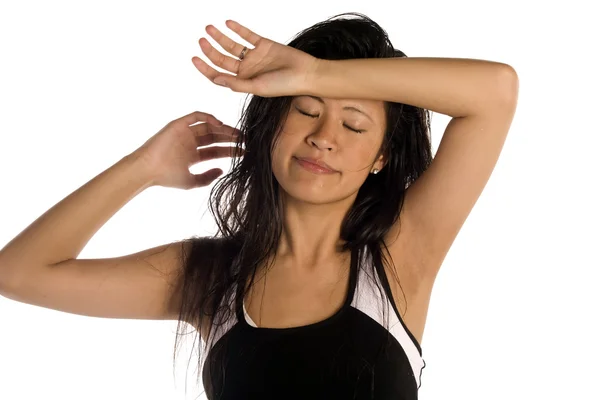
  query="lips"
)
[{"x": 315, "y": 164}]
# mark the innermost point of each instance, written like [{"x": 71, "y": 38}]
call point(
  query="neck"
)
[{"x": 310, "y": 239}]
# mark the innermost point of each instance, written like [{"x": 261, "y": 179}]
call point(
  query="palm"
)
[{"x": 269, "y": 69}]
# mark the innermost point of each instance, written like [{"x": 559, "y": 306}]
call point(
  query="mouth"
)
[{"x": 317, "y": 168}]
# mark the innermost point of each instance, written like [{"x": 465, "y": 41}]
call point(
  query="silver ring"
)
[{"x": 243, "y": 53}]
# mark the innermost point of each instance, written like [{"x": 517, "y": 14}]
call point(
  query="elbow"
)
[{"x": 509, "y": 85}]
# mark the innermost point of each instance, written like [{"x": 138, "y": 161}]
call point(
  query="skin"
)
[{"x": 315, "y": 204}]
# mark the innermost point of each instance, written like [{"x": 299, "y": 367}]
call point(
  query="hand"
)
[
  {"x": 270, "y": 69},
  {"x": 168, "y": 155}
]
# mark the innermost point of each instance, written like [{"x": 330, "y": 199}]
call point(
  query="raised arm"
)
[{"x": 40, "y": 265}]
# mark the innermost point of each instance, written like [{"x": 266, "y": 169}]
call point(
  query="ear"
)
[{"x": 380, "y": 162}]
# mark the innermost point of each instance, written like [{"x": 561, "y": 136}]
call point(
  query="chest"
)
[
  {"x": 337, "y": 361},
  {"x": 284, "y": 299},
  {"x": 281, "y": 298}
]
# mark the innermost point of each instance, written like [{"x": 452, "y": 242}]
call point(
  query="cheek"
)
[
  {"x": 362, "y": 154},
  {"x": 366, "y": 153},
  {"x": 281, "y": 157},
  {"x": 283, "y": 146}
]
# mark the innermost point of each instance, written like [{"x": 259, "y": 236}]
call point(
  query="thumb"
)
[
  {"x": 235, "y": 84},
  {"x": 206, "y": 178}
]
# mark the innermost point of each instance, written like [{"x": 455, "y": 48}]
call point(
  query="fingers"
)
[
  {"x": 206, "y": 69},
  {"x": 219, "y": 59},
  {"x": 210, "y": 138},
  {"x": 211, "y": 153},
  {"x": 215, "y": 152},
  {"x": 205, "y": 178},
  {"x": 232, "y": 47},
  {"x": 203, "y": 129},
  {"x": 198, "y": 116},
  {"x": 221, "y": 133},
  {"x": 226, "y": 43},
  {"x": 244, "y": 32}
]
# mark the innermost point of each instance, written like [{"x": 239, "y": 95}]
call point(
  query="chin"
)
[
  {"x": 315, "y": 192},
  {"x": 312, "y": 192}
]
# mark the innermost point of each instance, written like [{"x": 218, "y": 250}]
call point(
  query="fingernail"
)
[{"x": 220, "y": 81}]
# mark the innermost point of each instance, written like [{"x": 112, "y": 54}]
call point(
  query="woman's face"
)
[{"x": 327, "y": 135}]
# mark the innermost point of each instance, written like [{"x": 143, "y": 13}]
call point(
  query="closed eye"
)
[{"x": 316, "y": 116}]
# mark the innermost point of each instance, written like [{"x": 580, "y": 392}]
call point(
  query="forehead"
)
[{"x": 328, "y": 100}]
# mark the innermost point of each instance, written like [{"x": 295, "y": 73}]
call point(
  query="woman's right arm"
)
[{"x": 40, "y": 265}]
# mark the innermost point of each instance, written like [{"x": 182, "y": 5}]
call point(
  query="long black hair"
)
[{"x": 246, "y": 203}]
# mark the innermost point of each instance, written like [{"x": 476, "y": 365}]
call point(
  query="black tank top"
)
[{"x": 360, "y": 352}]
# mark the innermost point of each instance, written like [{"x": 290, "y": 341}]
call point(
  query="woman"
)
[{"x": 332, "y": 224}]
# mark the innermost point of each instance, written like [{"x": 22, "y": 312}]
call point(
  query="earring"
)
[{"x": 375, "y": 171}]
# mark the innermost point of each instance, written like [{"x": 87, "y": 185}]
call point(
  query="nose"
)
[{"x": 323, "y": 136}]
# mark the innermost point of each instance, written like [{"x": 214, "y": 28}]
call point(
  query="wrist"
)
[
  {"x": 140, "y": 167},
  {"x": 315, "y": 76}
]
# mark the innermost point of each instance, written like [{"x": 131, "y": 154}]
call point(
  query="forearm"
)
[
  {"x": 63, "y": 231},
  {"x": 450, "y": 86}
]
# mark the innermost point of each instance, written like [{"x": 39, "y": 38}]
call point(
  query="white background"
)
[{"x": 514, "y": 312}]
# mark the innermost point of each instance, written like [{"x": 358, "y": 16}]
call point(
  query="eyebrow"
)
[{"x": 320, "y": 100}]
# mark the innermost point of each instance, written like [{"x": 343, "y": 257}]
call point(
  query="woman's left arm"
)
[
  {"x": 455, "y": 87},
  {"x": 481, "y": 97}
]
